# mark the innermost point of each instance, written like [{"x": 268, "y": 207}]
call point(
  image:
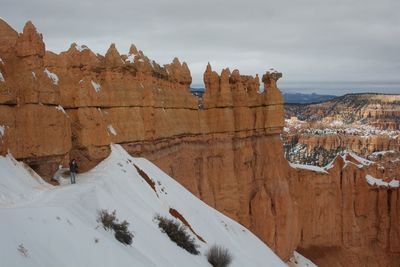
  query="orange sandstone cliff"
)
[
  {"x": 346, "y": 219},
  {"x": 75, "y": 104},
  {"x": 54, "y": 107}
]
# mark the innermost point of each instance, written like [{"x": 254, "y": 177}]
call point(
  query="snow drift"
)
[{"x": 43, "y": 225}]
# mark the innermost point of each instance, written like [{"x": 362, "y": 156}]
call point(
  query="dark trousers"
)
[{"x": 73, "y": 175}]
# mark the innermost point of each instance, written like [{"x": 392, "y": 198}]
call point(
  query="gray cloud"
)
[{"x": 308, "y": 40}]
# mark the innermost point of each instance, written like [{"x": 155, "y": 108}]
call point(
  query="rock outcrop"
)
[
  {"x": 75, "y": 104},
  {"x": 379, "y": 110},
  {"x": 362, "y": 123},
  {"x": 346, "y": 220},
  {"x": 321, "y": 149},
  {"x": 54, "y": 107}
]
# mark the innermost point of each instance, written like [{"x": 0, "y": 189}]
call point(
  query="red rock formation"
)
[
  {"x": 30, "y": 42},
  {"x": 8, "y": 39},
  {"x": 362, "y": 145},
  {"x": 379, "y": 110},
  {"x": 344, "y": 220},
  {"x": 220, "y": 153},
  {"x": 229, "y": 154}
]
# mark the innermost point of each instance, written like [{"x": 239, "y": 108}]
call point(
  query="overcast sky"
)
[{"x": 322, "y": 43}]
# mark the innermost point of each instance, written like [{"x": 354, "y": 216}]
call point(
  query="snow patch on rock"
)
[
  {"x": 111, "y": 129},
  {"x": 2, "y": 77},
  {"x": 379, "y": 182},
  {"x": 52, "y": 76},
  {"x": 394, "y": 183},
  {"x": 81, "y": 48},
  {"x": 60, "y": 108},
  {"x": 130, "y": 58},
  {"x": 382, "y": 153},
  {"x": 96, "y": 86},
  {"x": 2, "y": 130},
  {"x": 307, "y": 167},
  {"x": 272, "y": 70},
  {"x": 361, "y": 160}
]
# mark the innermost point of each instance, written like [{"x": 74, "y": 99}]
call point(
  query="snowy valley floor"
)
[{"x": 44, "y": 225}]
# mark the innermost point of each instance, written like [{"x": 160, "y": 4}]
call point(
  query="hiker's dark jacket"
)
[{"x": 73, "y": 167}]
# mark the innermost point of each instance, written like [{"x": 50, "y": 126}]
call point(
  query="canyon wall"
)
[
  {"x": 54, "y": 107},
  {"x": 321, "y": 149},
  {"x": 379, "y": 110},
  {"x": 363, "y": 123},
  {"x": 344, "y": 220}
]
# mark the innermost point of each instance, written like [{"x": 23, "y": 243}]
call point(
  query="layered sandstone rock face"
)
[
  {"x": 345, "y": 219},
  {"x": 54, "y": 107},
  {"x": 320, "y": 149}
]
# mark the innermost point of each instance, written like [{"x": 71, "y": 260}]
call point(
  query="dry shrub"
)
[
  {"x": 110, "y": 222},
  {"x": 219, "y": 256},
  {"x": 177, "y": 232}
]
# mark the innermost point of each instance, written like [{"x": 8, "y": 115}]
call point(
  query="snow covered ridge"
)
[
  {"x": 348, "y": 158},
  {"x": 362, "y": 161},
  {"x": 56, "y": 225},
  {"x": 355, "y": 160},
  {"x": 52, "y": 76},
  {"x": 308, "y": 167},
  {"x": 379, "y": 182}
]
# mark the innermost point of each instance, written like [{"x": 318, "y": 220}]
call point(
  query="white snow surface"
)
[
  {"x": 56, "y": 225},
  {"x": 111, "y": 129},
  {"x": 52, "y": 76},
  {"x": 34, "y": 75},
  {"x": 2, "y": 77},
  {"x": 379, "y": 182},
  {"x": 96, "y": 86},
  {"x": 18, "y": 186},
  {"x": 1, "y": 61}
]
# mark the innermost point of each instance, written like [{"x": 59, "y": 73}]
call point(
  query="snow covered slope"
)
[{"x": 42, "y": 225}]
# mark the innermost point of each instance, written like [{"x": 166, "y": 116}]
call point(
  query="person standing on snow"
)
[{"x": 73, "y": 166}]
